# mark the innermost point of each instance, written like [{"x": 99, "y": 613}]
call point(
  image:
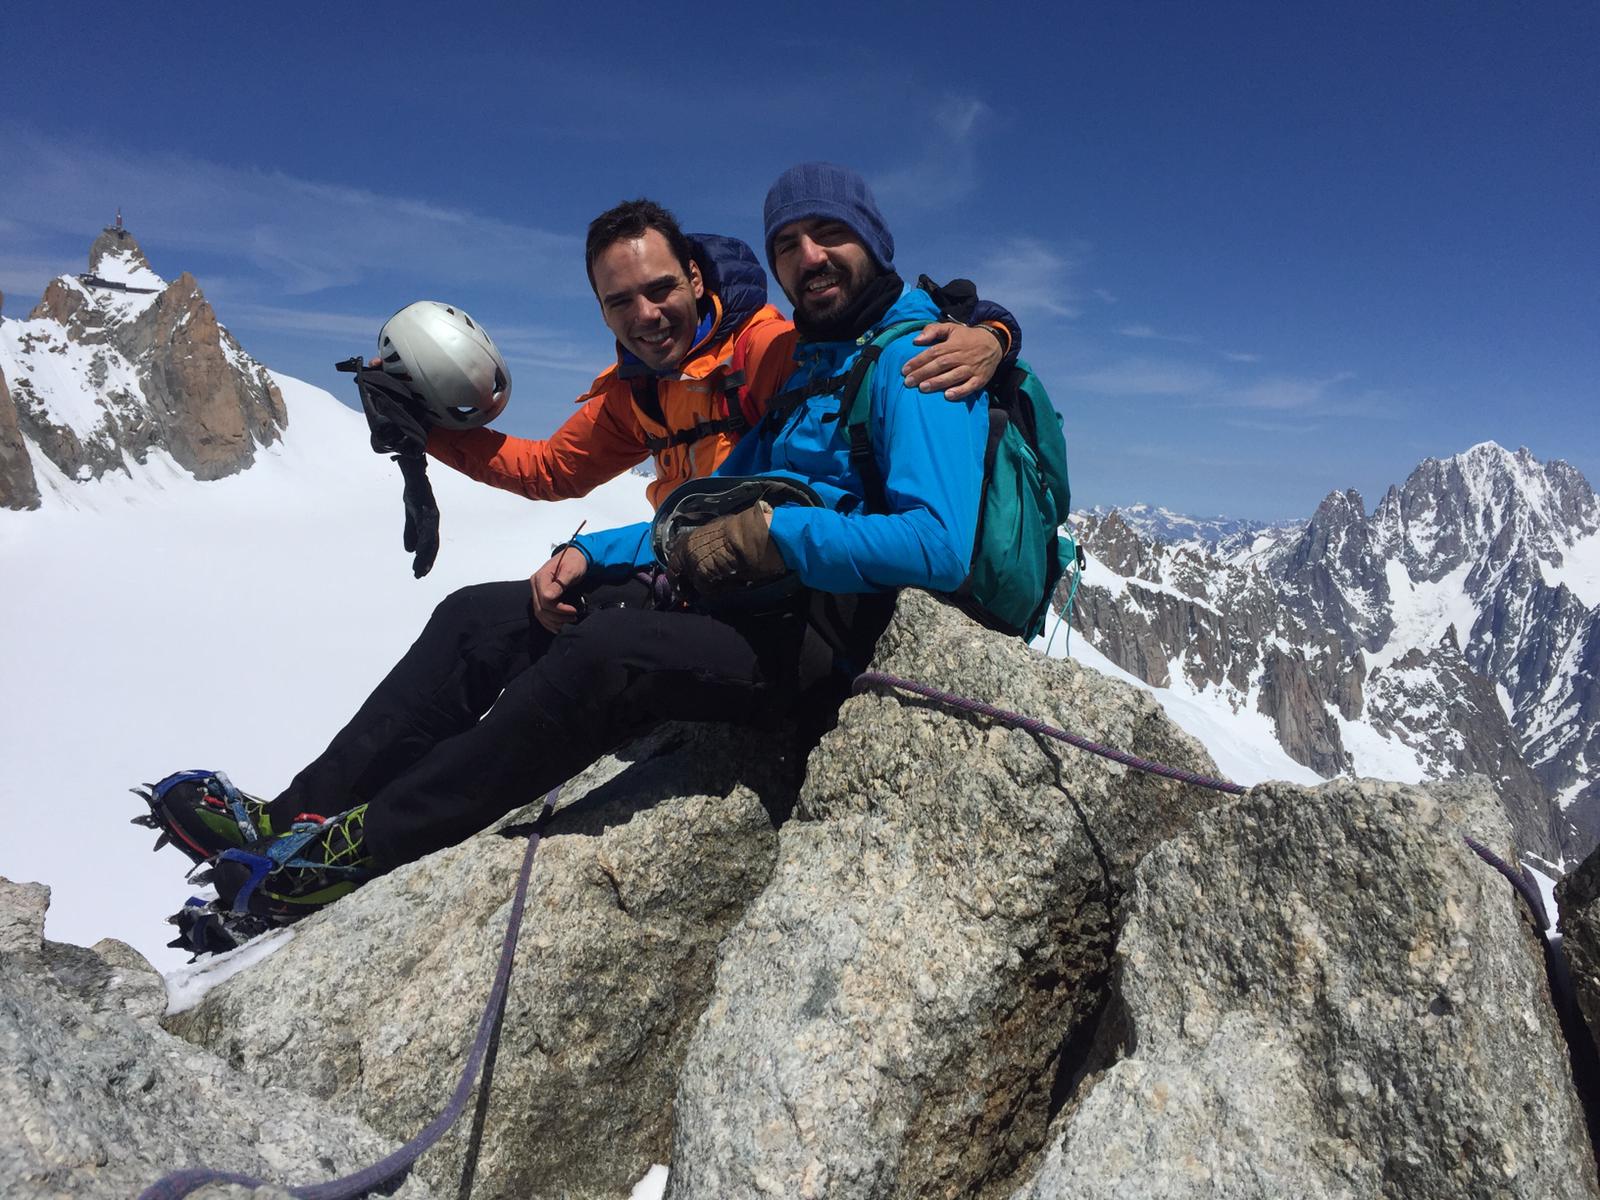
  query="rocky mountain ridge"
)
[
  {"x": 946, "y": 959},
  {"x": 1455, "y": 629},
  {"x": 116, "y": 364}
]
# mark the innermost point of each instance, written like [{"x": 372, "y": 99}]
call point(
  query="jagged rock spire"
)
[{"x": 148, "y": 365}]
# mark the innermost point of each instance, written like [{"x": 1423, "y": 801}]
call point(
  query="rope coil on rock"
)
[
  {"x": 389, "y": 1172},
  {"x": 1034, "y": 725}
]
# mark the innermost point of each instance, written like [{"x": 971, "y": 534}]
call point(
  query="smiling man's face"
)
[
  {"x": 650, "y": 305},
  {"x": 822, "y": 266}
]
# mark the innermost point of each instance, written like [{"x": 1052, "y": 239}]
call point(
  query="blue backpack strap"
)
[{"x": 856, "y": 407}]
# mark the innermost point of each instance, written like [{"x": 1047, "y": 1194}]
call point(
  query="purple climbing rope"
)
[
  {"x": 1526, "y": 888},
  {"x": 1583, "y": 1055},
  {"x": 391, "y": 1169},
  {"x": 1033, "y": 725}
]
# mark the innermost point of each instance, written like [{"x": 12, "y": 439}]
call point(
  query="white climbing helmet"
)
[{"x": 450, "y": 363}]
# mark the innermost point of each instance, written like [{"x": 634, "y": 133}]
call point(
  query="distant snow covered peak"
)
[
  {"x": 1163, "y": 524},
  {"x": 1455, "y": 629},
  {"x": 117, "y": 363},
  {"x": 1487, "y": 498},
  {"x": 119, "y": 286}
]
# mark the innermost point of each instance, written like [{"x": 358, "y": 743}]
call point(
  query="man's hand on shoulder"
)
[
  {"x": 959, "y": 360},
  {"x": 550, "y": 583}
]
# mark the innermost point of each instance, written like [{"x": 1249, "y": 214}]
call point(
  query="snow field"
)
[
  {"x": 157, "y": 623},
  {"x": 122, "y": 267},
  {"x": 1241, "y": 741},
  {"x": 1422, "y": 611},
  {"x": 1579, "y": 569},
  {"x": 60, "y": 373}
]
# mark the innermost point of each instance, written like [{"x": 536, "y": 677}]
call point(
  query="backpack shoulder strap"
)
[
  {"x": 856, "y": 407},
  {"x": 784, "y": 403}
]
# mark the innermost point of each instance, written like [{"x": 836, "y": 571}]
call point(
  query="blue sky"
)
[{"x": 1259, "y": 251}]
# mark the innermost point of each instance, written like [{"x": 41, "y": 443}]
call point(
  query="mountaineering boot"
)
[
  {"x": 311, "y": 865},
  {"x": 202, "y": 813}
]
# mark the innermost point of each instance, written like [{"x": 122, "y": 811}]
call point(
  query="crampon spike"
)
[
  {"x": 204, "y": 928},
  {"x": 148, "y": 820},
  {"x": 161, "y": 841}
]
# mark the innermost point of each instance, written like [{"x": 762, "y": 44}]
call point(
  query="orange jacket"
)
[{"x": 611, "y": 433}]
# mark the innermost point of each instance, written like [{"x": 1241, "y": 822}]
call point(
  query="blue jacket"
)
[{"x": 929, "y": 450}]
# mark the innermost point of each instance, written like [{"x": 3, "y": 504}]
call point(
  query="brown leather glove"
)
[{"x": 729, "y": 551}]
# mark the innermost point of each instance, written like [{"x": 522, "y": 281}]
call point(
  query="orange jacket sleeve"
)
[{"x": 598, "y": 442}]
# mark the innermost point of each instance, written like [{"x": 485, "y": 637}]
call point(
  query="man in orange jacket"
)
[{"x": 699, "y": 352}]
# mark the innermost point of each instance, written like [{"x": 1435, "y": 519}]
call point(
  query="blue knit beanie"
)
[{"x": 818, "y": 189}]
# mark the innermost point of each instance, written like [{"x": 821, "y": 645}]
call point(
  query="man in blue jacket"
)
[{"x": 501, "y": 699}]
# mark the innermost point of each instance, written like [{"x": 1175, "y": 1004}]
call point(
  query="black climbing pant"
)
[{"x": 487, "y": 710}]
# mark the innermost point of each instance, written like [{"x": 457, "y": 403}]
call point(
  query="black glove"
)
[
  {"x": 398, "y": 422},
  {"x": 400, "y": 427},
  {"x": 421, "y": 535}
]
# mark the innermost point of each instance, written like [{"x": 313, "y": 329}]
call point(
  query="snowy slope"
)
[
  {"x": 154, "y": 623},
  {"x": 1579, "y": 569},
  {"x": 70, "y": 382},
  {"x": 1240, "y": 742}
]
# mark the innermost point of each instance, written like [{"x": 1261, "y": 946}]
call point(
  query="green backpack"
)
[{"x": 1021, "y": 549}]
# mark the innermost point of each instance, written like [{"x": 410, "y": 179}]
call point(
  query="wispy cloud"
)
[
  {"x": 1296, "y": 403},
  {"x": 959, "y": 117},
  {"x": 1147, "y": 377},
  {"x": 23, "y": 277},
  {"x": 1103, "y": 296},
  {"x": 304, "y": 235},
  {"x": 1257, "y": 425},
  {"x": 1148, "y": 334},
  {"x": 1186, "y": 456},
  {"x": 1028, "y": 275},
  {"x": 323, "y": 325},
  {"x": 533, "y": 346},
  {"x": 947, "y": 169},
  {"x": 550, "y": 350},
  {"x": 1289, "y": 394}
]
